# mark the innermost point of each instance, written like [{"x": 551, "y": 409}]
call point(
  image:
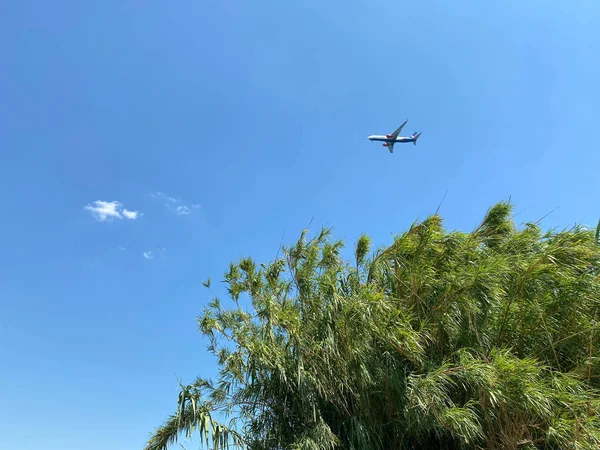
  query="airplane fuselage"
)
[{"x": 382, "y": 138}]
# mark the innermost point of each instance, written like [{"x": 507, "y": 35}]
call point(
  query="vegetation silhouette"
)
[{"x": 441, "y": 340}]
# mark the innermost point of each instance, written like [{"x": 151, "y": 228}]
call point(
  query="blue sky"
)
[{"x": 221, "y": 126}]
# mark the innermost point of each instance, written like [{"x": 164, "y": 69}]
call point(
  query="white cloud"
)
[
  {"x": 104, "y": 211},
  {"x": 175, "y": 205},
  {"x": 182, "y": 210},
  {"x": 148, "y": 254},
  {"x": 165, "y": 197},
  {"x": 130, "y": 214},
  {"x": 121, "y": 248}
]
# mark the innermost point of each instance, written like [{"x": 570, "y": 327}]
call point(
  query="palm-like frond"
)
[{"x": 189, "y": 418}]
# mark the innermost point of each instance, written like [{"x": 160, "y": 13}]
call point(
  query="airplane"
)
[{"x": 390, "y": 139}]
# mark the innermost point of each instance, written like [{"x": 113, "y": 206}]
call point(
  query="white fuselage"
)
[{"x": 383, "y": 138}]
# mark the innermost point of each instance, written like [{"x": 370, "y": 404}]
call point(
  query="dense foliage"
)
[{"x": 442, "y": 340}]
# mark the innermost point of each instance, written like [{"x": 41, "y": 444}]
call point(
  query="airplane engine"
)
[
  {"x": 388, "y": 136},
  {"x": 385, "y": 144}
]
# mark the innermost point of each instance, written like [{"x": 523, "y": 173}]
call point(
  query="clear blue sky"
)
[{"x": 249, "y": 118}]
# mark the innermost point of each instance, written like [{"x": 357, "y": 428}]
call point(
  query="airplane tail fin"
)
[{"x": 415, "y": 136}]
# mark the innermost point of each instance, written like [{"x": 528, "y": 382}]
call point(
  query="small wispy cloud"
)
[
  {"x": 121, "y": 248},
  {"x": 157, "y": 253},
  {"x": 182, "y": 210},
  {"x": 175, "y": 205},
  {"x": 164, "y": 197},
  {"x": 107, "y": 211}
]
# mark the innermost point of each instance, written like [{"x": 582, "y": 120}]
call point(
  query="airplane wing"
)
[
  {"x": 390, "y": 147},
  {"x": 397, "y": 132}
]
